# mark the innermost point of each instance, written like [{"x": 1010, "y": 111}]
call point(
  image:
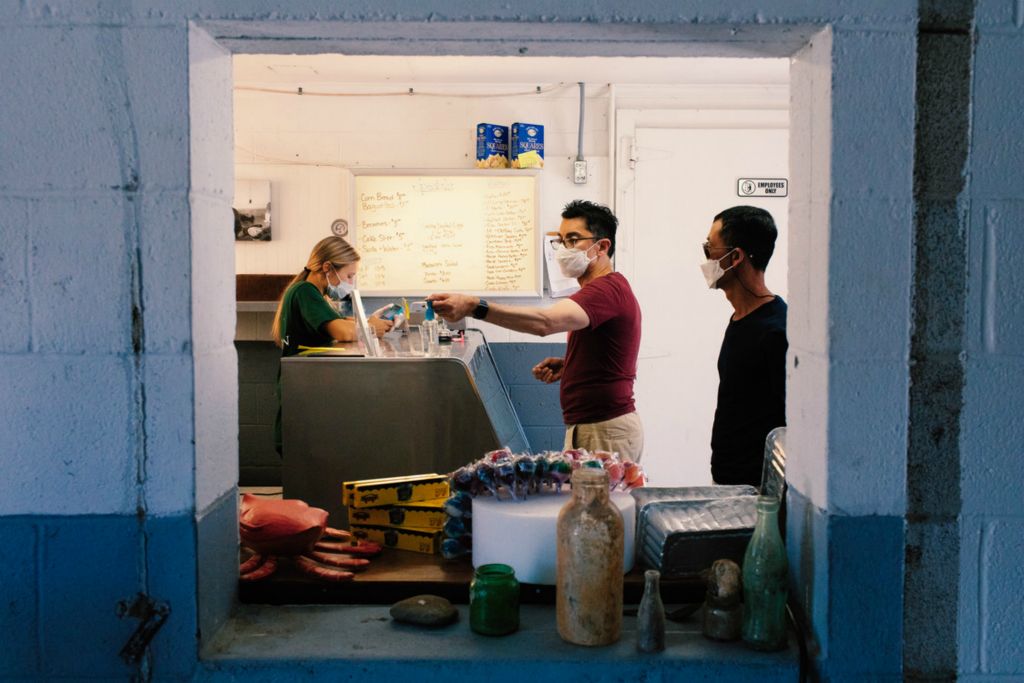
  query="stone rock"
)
[{"x": 425, "y": 610}]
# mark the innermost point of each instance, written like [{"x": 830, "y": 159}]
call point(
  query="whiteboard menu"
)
[{"x": 420, "y": 232}]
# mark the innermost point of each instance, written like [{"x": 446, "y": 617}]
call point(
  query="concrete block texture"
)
[
  {"x": 807, "y": 547},
  {"x": 872, "y": 113},
  {"x": 15, "y": 274},
  {"x": 1002, "y": 601},
  {"x": 164, "y": 250},
  {"x": 941, "y": 268},
  {"x": 81, "y": 567},
  {"x": 867, "y": 443},
  {"x": 943, "y": 94},
  {"x": 991, "y": 436},
  {"x": 931, "y": 599},
  {"x": 81, "y": 264},
  {"x": 216, "y": 424},
  {"x": 213, "y": 274},
  {"x": 19, "y": 619},
  {"x": 869, "y": 279},
  {"x": 210, "y": 115},
  {"x": 171, "y": 579},
  {"x": 69, "y": 435},
  {"x": 870, "y": 12},
  {"x": 865, "y": 596},
  {"x": 55, "y": 75},
  {"x": 807, "y": 416},
  {"x": 995, "y": 307},
  {"x": 170, "y": 456},
  {"x": 999, "y": 14},
  {"x": 997, "y": 153}
]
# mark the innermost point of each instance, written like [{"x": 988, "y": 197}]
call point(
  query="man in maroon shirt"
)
[{"x": 603, "y": 322}]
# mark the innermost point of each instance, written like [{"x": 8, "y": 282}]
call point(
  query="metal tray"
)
[{"x": 683, "y": 537}]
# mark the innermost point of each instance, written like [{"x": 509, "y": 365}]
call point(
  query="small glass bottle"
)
[
  {"x": 494, "y": 600},
  {"x": 765, "y": 581},
  {"x": 590, "y": 541},
  {"x": 650, "y": 616}
]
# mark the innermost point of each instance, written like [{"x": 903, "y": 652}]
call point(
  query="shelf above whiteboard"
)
[{"x": 421, "y": 231}]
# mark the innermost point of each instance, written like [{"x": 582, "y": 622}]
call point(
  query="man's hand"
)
[
  {"x": 549, "y": 370},
  {"x": 379, "y": 325},
  {"x": 453, "y": 307}
]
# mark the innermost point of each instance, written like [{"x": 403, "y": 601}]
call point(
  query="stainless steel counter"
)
[{"x": 348, "y": 418}]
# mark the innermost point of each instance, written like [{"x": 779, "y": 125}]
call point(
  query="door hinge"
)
[{"x": 151, "y": 615}]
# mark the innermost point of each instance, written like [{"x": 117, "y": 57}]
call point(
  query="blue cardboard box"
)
[
  {"x": 527, "y": 145},
  {"x": 491, "y": 146}
]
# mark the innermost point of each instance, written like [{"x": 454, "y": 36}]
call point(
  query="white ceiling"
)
[{"x": 331, "y": 70}]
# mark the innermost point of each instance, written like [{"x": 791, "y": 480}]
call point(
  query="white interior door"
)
[{"x": 672, "y": 183}]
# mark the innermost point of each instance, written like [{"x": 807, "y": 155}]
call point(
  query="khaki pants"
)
[{"x": 623, "y": 435}]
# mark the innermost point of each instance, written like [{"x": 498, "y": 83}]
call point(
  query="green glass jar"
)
[{"x": 494, "y": 600}]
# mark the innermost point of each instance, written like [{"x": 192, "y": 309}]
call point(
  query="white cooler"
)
[{"x": 521, "y": 534}]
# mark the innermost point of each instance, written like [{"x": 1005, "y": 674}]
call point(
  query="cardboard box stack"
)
[{"x": 398, "y": 512}]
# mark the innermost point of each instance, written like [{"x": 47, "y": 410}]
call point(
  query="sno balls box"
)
[
  {"x": 376, "y": 492},
  {"x": 491, "y": 145},
  {"x": 428, "y": 514},
  {"x": 417, "y": 540},
  {"x": 526, "y": 147}
]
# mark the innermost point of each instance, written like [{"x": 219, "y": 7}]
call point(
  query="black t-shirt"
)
[{"x": 751, "y": 393}]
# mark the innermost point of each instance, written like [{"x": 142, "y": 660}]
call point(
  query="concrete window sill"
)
[{"x": 363, "y": 642}]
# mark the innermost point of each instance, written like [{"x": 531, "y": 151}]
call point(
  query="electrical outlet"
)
[{"x": 579, "y": 172}]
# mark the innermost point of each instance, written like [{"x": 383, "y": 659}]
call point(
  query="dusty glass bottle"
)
[
  {"x": 494, "y": 600},
  {"x": 589, "y": 562},
  {"x": 764, "y": 581},
  {"x": 650, "y": 616}
]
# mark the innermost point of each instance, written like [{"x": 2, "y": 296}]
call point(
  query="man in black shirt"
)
[{"x": 752, "y": 362}]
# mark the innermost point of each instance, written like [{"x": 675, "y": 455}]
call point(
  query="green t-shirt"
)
[{"x": 304, "y": 314}]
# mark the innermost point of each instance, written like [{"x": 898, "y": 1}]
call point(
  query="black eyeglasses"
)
[
  {"x": 568, "y": 241},
  {"x": 707, "y": 249}
]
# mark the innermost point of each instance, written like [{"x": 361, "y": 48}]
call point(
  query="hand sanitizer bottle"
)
[{"x": 430, "y": 329}]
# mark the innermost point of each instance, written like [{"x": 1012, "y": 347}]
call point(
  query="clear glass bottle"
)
[
  {"x": 432, "y": 339},
  {"x": 765, "y": 581},
  {"x": 589, "y": 563},
  {"x": 650, "y": 616},
  {"x": 494, "y": 600}
]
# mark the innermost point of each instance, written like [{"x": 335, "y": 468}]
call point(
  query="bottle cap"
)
[{"x": 429, "y": 315}]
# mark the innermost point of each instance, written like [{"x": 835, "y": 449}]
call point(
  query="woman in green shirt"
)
[{"x": 304, "y": 316}]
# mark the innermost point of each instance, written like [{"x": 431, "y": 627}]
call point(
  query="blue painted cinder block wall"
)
[
  {"x": 117, "y": 364},
  {"x": 535, "y": 403}
]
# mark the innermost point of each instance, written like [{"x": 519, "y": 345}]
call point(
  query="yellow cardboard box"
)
[
  {"x": 426, "y": 515},
  {"x": 392, "y": 490},
  {"x": 417, "y": 540}
]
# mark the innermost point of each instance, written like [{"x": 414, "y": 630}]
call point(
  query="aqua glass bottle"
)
[
  {"x": 765, "y": 581},
  {"x": 494, "y": 600}
]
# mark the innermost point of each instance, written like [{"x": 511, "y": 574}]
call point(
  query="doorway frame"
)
[{"x": 847, "y": 369}]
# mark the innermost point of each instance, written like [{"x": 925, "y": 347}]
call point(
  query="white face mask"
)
[
  {"x": 340, "y": 290},
  {"x": 572, "y": 262},
  {"x": 713, "y": 271}
]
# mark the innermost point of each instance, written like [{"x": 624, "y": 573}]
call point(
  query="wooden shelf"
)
[{"x": 398, "y": 574}]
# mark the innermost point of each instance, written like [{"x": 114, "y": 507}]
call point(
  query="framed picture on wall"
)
[{"x": 252, "y": 211}]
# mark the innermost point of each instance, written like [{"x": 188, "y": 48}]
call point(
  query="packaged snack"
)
[
  {"x": 526, "y": 148},
  {"x": 491, "y": 146},
  {"x": 377, "y": 492}
]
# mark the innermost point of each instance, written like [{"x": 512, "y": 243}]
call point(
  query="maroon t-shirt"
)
[{"x": 600, "y": 360}]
